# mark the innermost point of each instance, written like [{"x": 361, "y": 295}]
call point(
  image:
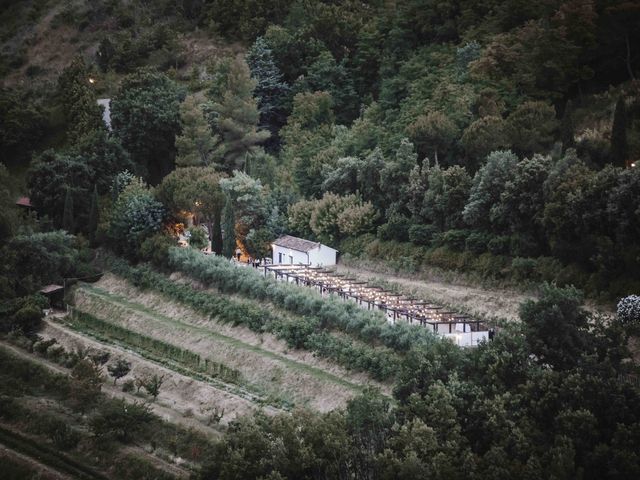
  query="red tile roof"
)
[{"x": 24, "y": 202}]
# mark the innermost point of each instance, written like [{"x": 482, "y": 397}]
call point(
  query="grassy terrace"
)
[{"x": 132, "y": 307}]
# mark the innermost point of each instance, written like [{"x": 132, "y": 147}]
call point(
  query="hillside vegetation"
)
[{"x": 495, "y": 140}]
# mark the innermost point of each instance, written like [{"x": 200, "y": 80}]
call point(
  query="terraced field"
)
[{"x": 267, "y": 373}]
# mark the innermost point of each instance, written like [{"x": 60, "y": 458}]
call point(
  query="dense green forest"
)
[{"x": 495, "y": 138}]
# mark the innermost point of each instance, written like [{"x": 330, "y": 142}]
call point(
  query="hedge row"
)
[
  {"x": 331, "y": 313},
  {"x": 157, "y": 347},
  {"x": 306, "y": 332}
]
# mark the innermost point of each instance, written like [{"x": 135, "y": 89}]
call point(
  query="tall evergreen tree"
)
[
  {"x": 79, "y": 101},
  {"x": 271, "y": 90},
  {"x": 229, "y": 236},
  {"x": 567, "y": 128},
  {"x": 235, "y": 118},
  {"x": 619, "y": 146},
  {"x": 93, "y": 214},
  {"x": 145, "y": 115},
  {"x": 196, "y": 144},
  {"x": 67, "y": 214}
]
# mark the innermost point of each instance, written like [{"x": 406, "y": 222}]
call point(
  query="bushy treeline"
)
[
  {"x": 546, "y": 399},
  {"x": 539, "y": 218},
  {"x": 329, "y": 313},
  {"x": 306, "y": 331}
]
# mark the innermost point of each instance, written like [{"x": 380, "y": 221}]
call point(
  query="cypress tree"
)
[
  {"x": 567, "y": 127},
  {"x": 79, "y": 100},
  {"x": 229, "y": 237},
  {"x": 216, "y": 233},
  {"x": 67, "y": 214},
  {"x": 93, "y": 214},
  {"x": 619, "y": 146}
]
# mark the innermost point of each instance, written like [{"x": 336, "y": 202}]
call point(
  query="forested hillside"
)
[{"x": 498, "y": 139}]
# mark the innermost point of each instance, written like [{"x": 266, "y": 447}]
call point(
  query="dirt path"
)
[{"x": 487, "y": 303}]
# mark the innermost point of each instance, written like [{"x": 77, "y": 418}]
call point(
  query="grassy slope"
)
[{"x": 266, "y": 364}]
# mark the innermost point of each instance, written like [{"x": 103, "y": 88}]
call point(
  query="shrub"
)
[
  {"x": 523, "y": 246},
  {"x": 524, "y": 269},
  {"x": 628, "y": 310},
  {"x": 197, "y": 238},
  {"x": 455, "y": 239},
  {"x": 477, "y": 242},
  {"x": 422, "y": 234},
  {"x": 491, "y": 266},
  {"x": 155, "y": 249},
  {"x": 548, "y": 268},
  {"x": 499, "y": 245},
  {"x": 63, "y": 436},
  {"x": 397, "y": 228}
]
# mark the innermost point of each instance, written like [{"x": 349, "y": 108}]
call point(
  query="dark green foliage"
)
[
  {"x": 120, "y": 420},
  {"x": 32, "y": 261},
  {"x": 145, "y": 115},
  {"x": 23, "y": 314},
  {"x": 556, "y": 326},
  {"x": 422, "y": 234},
  {"x": 325, "y": 74},
  {"x": 271, "y": 90},
  {"x": 93, "y": 214},
  {"x": 136, "y": 215},
  {"x": 67, "y": 213},
  {"x": 228, "y": 249},
  {"x": 22, "y": 126},
  {"x": 51, "y": 176},
  {"x": 8, "y": 210},
  {"x": 119, "y": 369},
  {"x": 79, "y": 104},
  {"x": 106, "y": 157},
  {"x": 153, "y": 384},
  {"x": 619, "y": 144},
  {"x": 234, "y": 118}
]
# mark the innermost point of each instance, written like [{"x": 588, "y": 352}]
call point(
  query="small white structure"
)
[{"x": 290, "y": 250}]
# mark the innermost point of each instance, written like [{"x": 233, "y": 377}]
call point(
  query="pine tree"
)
[
  {"x": 93, "y": 214},
  {"x": 229, "y": 237},
  {"x": 196, "y": 144},
  {"x": 619, "y": 146},
  {"x": 236, "y": 118},
  {"x": 67, "y": 215},
  {"x": 271, "y": 90},
  {"x": 79, "y": 101}
]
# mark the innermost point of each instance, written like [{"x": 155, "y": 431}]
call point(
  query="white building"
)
[{"x": 290, "y": 250}]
